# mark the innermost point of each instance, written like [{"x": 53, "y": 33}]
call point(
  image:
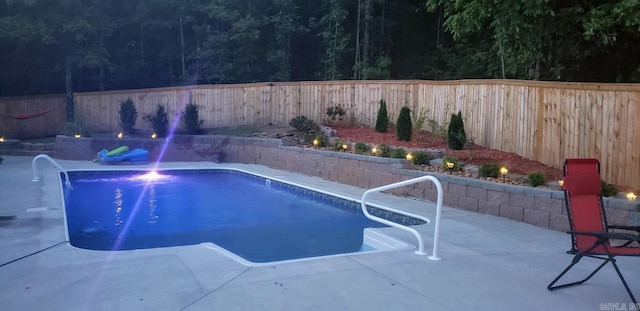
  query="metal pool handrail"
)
[
  {"x": 44, "y": 156},
  {"x": 436, "y": 234}
]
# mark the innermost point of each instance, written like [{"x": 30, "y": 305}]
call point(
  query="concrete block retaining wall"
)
[{"x": 539, "y": 207}]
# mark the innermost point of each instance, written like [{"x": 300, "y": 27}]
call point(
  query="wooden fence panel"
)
[
  {"x": 633, "y": 179},
  {"x": 32, "y": 125},
  {"x": 542, "y": 121}
]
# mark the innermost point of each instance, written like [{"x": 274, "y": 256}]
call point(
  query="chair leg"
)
[
  {"x": 575, "y": 260},
  {"x": 624, "y": 282}
]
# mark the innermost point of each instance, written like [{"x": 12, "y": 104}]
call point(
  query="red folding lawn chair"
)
[{"x": 589, "y": 230}]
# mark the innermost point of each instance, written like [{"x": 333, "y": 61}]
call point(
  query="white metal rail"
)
[
  {"x": 436, "y": 231},
  {"x": 44, "y": 156}
]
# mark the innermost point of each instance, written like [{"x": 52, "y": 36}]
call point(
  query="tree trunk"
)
[
  {"x": 68, "y": 79},
  {"x": 184, "y": 70},
  {"x": 356, "y": 65},
  {"x": 365, "y": 48},
  {"x": 101, "y": 66}
]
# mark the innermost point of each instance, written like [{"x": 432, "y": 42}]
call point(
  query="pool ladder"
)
[
  {"x": 436, "y": 230},
  {"x": 44, "y": 156}
]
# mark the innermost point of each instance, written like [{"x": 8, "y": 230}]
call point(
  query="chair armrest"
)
[
  {"x": 629, "y": 228},
  {"x": 608, "y": 235}
]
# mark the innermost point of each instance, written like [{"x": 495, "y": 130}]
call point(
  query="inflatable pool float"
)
[{"x": 122, "y": 155}]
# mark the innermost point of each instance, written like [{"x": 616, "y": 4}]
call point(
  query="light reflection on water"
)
[
  {"x": 151, "y": 177},
  {"x": 152, "y": 204},
  {"x": 118, "y": 203}
]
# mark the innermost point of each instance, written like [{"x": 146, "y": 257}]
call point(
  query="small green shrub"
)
[
  {"x": 536, "y": 178},
  {"x": 191, "y": 120},
  {"x": 382, "y": 120},
  {"x": 339, "y": 144},
  {"x": 322, "y": 141},
  {"x": 75, "y": 127},
  {"x": 418, "y": 120},
  {"x": 384, "y": 150},
  {"x": 303, "y": 124},
  {"x": 403, "y": 127},
  {"x": 398, "y": 153},
  {"x": 454, "y": 160},
  {"x": 335, "y": 111},
  {"x": 608, "y": 190},
  {"x": 360, "y": 148},
  {"x": 456, "y": 136},
  {"x": 421, "y": 157},
  {"x": 128, "y": 116},
  {"x": 437, "y": 129},
  {"x": 489, "y": 170},
  {"x": 158, "y": 121}
]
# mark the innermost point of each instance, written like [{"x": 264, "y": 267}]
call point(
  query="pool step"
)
[{"x": 382, "y": 242}]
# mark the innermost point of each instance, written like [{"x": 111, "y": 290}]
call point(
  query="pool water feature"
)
[{"x": 251, "y": 218}]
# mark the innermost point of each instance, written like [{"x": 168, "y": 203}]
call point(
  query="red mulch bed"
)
[{"x": 476, "y": 155}]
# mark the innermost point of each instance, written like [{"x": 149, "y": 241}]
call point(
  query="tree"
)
[
  {"x": 128, "y": 116},
  {"x": 403, "y": 126},
  {"x": 382, "y": 120},
  {"x": 72, "y": 31},
  {"x": 334, "y": 40},
  {"x": 518, "y": 30},
  {"x": 538, "y": 39},
  {"x": 283, "y": 22},
  {"x": 72, "y": 45},
  {"x": 456, "y": 135}
]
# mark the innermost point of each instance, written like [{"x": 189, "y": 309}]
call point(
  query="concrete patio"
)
[{"x": 489, "y": 263}]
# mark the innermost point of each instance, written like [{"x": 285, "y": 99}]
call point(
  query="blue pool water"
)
[{"x": 257, "y": 219}]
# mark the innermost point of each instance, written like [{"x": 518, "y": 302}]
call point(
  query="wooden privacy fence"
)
[
  {"x": 542, "y": 121},
  {"x": 31, "y": 117}
]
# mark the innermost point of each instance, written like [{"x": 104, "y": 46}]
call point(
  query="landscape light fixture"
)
[
  {"x": 504, "y": 171},
  {"x": 374, "y": 151},
  {"x": 561, "y": 183},
  {"x": 631, "y": 196},
  {"x": 77, "y": 135},
  {"x": 410, "y": 157},
  {"x": 344, "y": 147},
  {"x": 120, "y": 135},
  {"x": 450, "y": 166},
  {"x": 316, "y": 142},
  {"x": 154, "y": 135}
]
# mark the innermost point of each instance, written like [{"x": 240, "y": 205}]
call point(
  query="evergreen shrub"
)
[
  {"x": 456, "y": 136},
  {"x": 128, "y": 116},
  {"x": 536, "y": 178},
  {"x": 382, "y": 120},
  {"x": 303, "y": 124},
  {"x": 489, "y": 170},
  {"x": 190, "y": 119},
  {"x": 384, "y": 150},
  {"x": 360, "y": 148},
  {"x": 421, "y": 157},
  {"x": 158, "y": 121},
  {"x": 398, "y": 153},
  {"x": 403, "y": 126},
  {"x": 608, "y": 190}
]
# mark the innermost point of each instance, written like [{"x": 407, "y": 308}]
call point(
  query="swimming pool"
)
[{"x": 252, "y": 218}]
